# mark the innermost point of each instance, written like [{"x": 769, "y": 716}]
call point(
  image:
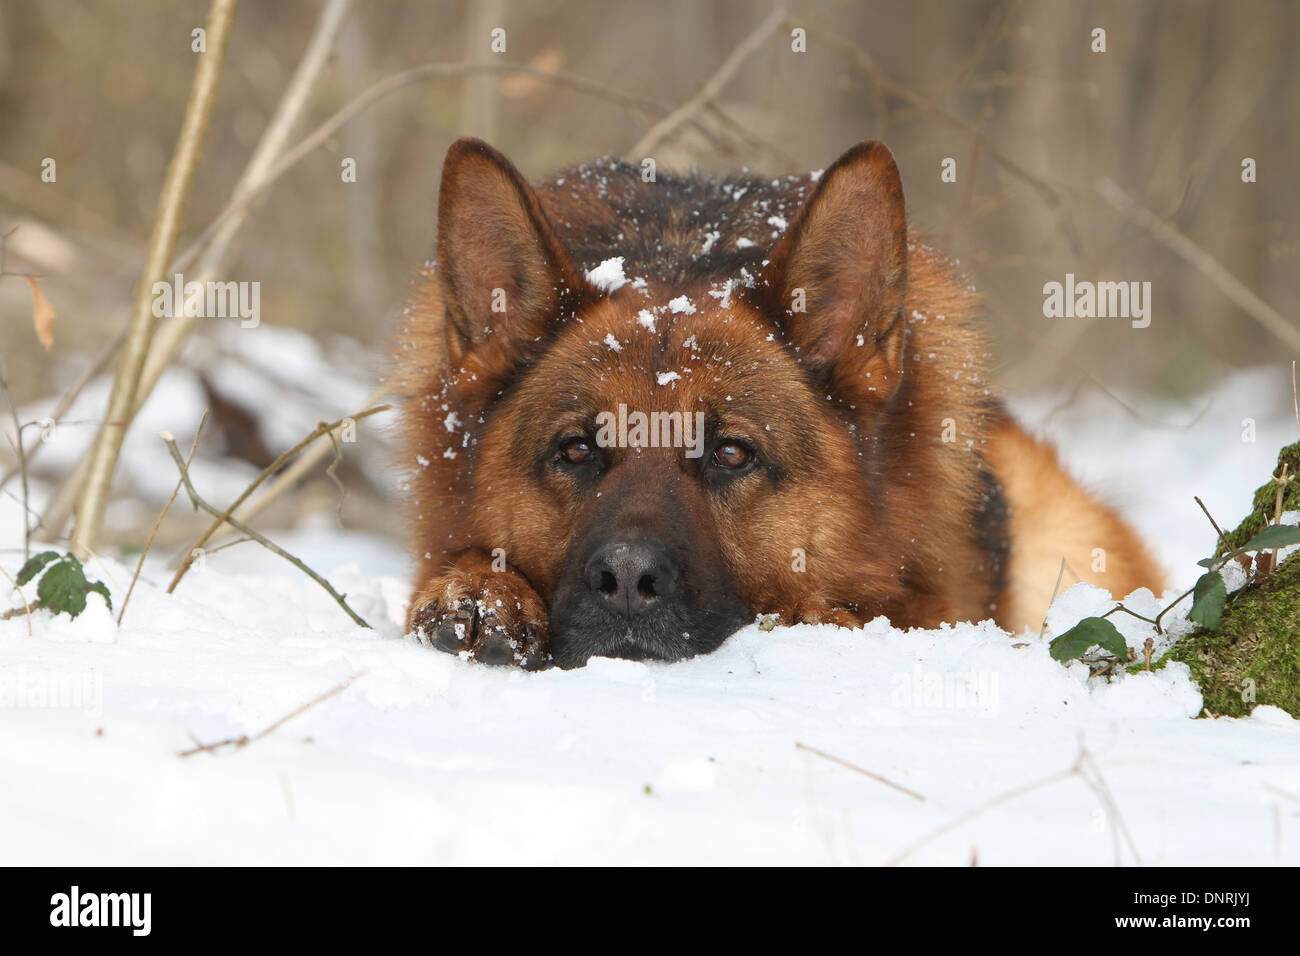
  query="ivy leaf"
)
[
  {"x": 1089, "y": 631},
  {"x": 63, "y": 588},
  {"x": 1207, "y": 600},
  {"x": 34, "y": 565},
  {"x": 1274, "y": 536}
]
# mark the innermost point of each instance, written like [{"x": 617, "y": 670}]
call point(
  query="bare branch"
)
[
  {"x": 198, "y": 502},
  {"x": 711, "y": 88},
  {"x": 244, "y": 741},
  {"x": 1202, "y": 262},
  {"x": 272, "y": 468},
  {"x": 121, "y": 404},
  {"x": 856, "y": 769},
  {"x": 157, "y": 524}
]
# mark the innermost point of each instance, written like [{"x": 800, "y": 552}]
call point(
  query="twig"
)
[
  {"x": 245, "y": 740},
  {"x": 1223, "y": 540},
  {"x": 18, "y": 450},
  {"x": 121, "y": 405},
  {"x": 1083, "y": 759},
  {"x": 321, "y": 429},
  {"x": 1200, "y": 260},
  {"x": 1178, "y": 600},
  {"x": 1295, "y": 400},
  {"x": 1098, "y": 786},
  {"x": 1059, "y": 574},
  {"x": 289, "y": 477},
  {"x": 14, "y": 612},
  {"x": 88, "y": 374},
  {"x": 162, "y": 514},
  {"x": 198, "y": 502},
  {"x": 711, "y": 88},
  {"x": 1050, "y": 196},
  {"x": 856, "y": 769}
]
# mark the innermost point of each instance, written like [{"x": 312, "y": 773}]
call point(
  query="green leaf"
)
[
  {"x": 63, "y": 588},
  {"x": 1207, "y": 600},
  {"x": 1089, "y": 631},
  {"x": 34, "y": 564},
  {"x": 1274, "y": 536}
]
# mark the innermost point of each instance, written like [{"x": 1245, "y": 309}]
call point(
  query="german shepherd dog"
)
[{"x": 822, "y": 445}]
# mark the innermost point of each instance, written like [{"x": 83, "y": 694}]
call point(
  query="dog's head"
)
[{"x": 662, "y": 453}]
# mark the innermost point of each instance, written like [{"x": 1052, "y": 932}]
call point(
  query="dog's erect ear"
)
[
  {"x": 503, "y": 272},
  {"x": 839, "y": 274}
]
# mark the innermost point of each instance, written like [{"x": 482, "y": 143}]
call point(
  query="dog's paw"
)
[
  {"x": 815, "y": 610},
  {"x": 496, "y": 617}
]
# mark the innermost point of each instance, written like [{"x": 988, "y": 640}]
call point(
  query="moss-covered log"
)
[
  {"x": 1253, "y": 656},
  {"x": 1264, "y": 504}
]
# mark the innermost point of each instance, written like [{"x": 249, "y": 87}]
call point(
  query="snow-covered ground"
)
[{"x": 424, "y": 758}]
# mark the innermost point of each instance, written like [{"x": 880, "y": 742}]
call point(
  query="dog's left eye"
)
[
  {"x": 732, "y": 455},
  {"x": 576, "y": 451}
]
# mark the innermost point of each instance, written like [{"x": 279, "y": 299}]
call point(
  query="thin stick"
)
[
  {"x": 1217, "y": 530},
  {"x": 984, "y": 807},
  {"x": 245, "y": 740},
  {"x": 1295, "y": 400},
  {"x": 171, "y": 204},
  {"x": 321, "y": 429},
  {"x": 1204, "y": 263},
  {"x": 14, "y": 612},
  {"x": 88, "y": 374},
  {"x": 1059, "y": 574},
  {"x": 18, "y": 450},
  {"x": 712, "y": 87},
  {"x": 1117, "y": 825},
  {"x": 289, "y": 477},
  {"x": 856, "y": 769},
  {"x": 157, "y": 524},
  {"x": 198, "y": 502}
]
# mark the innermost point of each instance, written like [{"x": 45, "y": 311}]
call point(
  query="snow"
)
[
  {"x": 608, "y": 276},
  {"x": 681, "y": 304},
  {"x": 425, "y": 758}
]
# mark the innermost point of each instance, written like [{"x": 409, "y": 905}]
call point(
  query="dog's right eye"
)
[{"x": 576, "y": 451}]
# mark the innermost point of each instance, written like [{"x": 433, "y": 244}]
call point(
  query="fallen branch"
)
[
  {"x": 157, "y": 524},
  {"x": 1081, "y": 762},
  {"x": 245, "y": 740},
  {"x": 856, "y": 769},
  {"x": 198, "y": 502},
  {"x": 321, "y": 430}
]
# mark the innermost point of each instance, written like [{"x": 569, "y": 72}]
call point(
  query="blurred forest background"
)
[{"x": 1010, "y": 90}]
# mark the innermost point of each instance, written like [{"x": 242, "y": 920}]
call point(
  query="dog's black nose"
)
[{"x": 632, "y": 577}]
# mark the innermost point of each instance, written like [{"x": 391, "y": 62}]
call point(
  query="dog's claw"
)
[{"x": 494, "y": 620}]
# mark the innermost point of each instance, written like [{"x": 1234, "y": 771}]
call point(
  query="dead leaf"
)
[
  {"x": 42, "y": 315},
  {"x": 549, "y": 60}
]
